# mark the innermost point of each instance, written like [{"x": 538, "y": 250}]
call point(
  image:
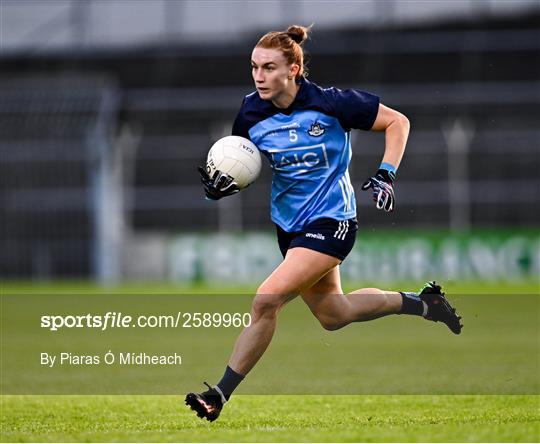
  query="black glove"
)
[
  {"x": 383, "y": 189},
  {"x": 219, "y": 185}
]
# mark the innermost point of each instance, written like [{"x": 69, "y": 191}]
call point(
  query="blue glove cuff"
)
[{"x": 388, "y": 167}]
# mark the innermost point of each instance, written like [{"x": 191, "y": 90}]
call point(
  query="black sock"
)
[
  {"x": 229, "y": 382},
  {"x": 412, "y": 304}
]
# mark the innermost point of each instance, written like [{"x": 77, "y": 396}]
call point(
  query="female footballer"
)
[{"x": 304, "y": 131}]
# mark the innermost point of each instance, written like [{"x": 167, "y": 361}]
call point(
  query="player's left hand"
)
[
  {"x": 219, "y": 185},
  {"x": 383, "y": 189}
]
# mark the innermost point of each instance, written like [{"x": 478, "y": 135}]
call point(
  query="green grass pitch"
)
[
  {"x": 470, "y": 417},
  {"x": 261, "y": 418}
]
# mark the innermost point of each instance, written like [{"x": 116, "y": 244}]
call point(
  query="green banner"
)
[{"x": 377, "y": 256}]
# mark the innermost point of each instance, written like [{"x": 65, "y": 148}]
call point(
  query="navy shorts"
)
[{"x": 329, "y": 236}]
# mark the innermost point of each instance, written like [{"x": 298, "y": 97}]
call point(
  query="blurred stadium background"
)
[{"x": 107, "y": 107}]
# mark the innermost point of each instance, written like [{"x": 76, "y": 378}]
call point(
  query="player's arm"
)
[{"x": 396, "y": 127}]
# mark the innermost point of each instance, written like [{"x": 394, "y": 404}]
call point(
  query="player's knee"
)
[{"x": 265, "y": 304}]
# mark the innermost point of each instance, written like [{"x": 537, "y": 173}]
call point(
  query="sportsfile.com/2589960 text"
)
[{"x": 120, "y": 320}]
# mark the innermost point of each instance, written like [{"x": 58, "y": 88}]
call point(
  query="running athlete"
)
[{"x": 304, "y": 131}]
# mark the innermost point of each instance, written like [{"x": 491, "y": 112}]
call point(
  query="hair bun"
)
[{"x": 298, "y": 33}]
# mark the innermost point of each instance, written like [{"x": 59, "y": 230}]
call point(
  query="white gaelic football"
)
[{"x": 236, "y": 156}]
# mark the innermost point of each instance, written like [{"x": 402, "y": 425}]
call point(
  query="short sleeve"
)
[
  {"x": 240, "y": 125},
  {"x": 354, "y": 108}
]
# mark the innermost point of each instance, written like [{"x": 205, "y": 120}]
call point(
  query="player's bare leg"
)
[
  {"x": 335, "y": 310},
  {"x": 300, "y": 269}
]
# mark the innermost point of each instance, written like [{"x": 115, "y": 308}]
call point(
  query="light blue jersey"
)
[{"x": 309, "y": 149}]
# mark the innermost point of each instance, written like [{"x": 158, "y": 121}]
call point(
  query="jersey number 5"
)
[{"x": 293, "y": 137}]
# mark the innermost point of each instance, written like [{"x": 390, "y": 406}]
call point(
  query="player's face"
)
[{"x": 271, "y": 73}]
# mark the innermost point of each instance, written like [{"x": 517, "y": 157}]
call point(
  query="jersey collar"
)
[{"x": 299, "y": 99}]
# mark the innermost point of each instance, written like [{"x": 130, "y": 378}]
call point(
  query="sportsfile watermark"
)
[
  {"x": 121, "y": 320},
  {"x": 169, "y": 344}
]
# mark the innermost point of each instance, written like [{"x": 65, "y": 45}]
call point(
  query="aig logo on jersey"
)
[
  {"x": 301, "y": 159},
  {"x": 316, "y": 130}
]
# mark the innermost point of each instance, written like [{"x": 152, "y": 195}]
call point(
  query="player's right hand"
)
[
  {"x": 219, "y": 185},
  {"x": 383, "y": 189}
]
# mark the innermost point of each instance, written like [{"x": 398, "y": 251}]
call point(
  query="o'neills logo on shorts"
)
[{"x": 315, "y": 236}]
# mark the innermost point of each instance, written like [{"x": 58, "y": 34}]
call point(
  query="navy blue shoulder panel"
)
[
  {"x": 252, "y": 111},
  {"x": 353, "y": 108}
]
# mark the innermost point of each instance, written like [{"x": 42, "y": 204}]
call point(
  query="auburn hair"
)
[{"x": 290, "y": 43}]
